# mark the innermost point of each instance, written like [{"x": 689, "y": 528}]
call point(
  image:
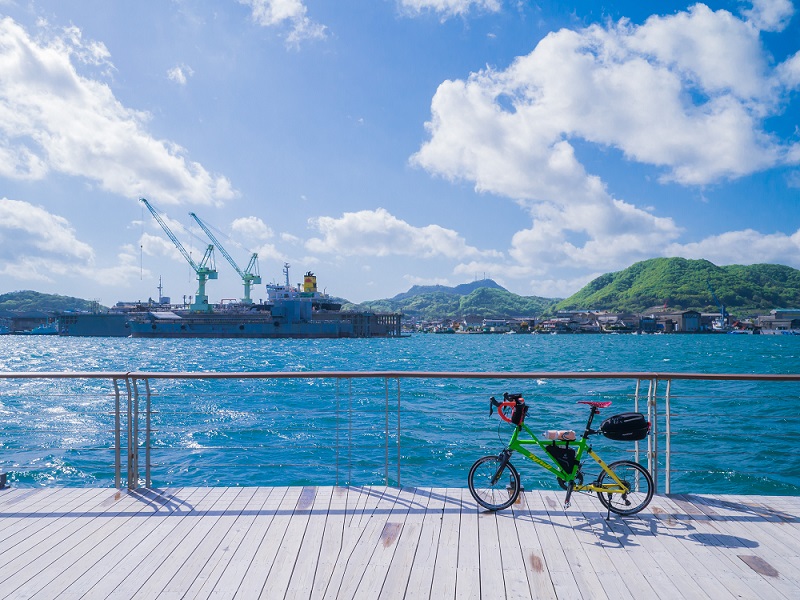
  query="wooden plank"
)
[
  {"x": 223, "y": 572},
  {"x": 35, "y": 512},
  {"x": 279, "y": 510},
  {"x": 397, "y": 578},
  {"x": 254, "y": 526},
  {"x": 512, "y": 559},
  {"x": 749, "y": 548},
  {"x": 304, "y": 570},
  {"x": 290, "y": 559},
  {"x": 531, "y": 548},
  {"x": 420, "y": 578},
  {"x": 373, "y": 532},
  {"x": 63, "y": 529},
  {"x": 445, "y": 579},
  {"x": 366, "y": 501},
  {"x": 491, "y": 560},
  {"x": 102, "y": 536},
  {"x": 394, "y": 529},
  {"x": 705, "y": 569},
  {"x": 571, "y": 570},
  {"x": 641, "y": 576},
  {"x": 332, "y": 542},
  {"x": 468, "y": 571},
  {"x": 120, "y": 543},
  {"x": 166, "y": 556},
  {"x": 389, "y": 543}
]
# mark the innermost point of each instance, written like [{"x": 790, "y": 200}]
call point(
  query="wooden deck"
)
[{"x": 388, "y": 543}]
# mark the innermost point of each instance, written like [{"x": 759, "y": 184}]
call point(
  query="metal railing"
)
[{"x": 134, "y": 392}]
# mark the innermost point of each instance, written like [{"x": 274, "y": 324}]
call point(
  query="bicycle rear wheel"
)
[
  {"x": 494, "y": 486},
  {"x": 638, "y": 482}
]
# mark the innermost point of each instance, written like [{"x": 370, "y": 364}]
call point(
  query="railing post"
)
[
  {"x": 653, "y": 417},
  {"x": 338, "y": 383},
  {"x": 668, "y": 441},
  {"x": 133, "y": 438},
  {"x": 117, "y": 438},
  {"x": 386, "y": 431},
  {"x": 399, "y": 450},
  {"x": 148, "y": 482}
]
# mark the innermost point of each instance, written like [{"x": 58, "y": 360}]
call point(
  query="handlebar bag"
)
[{"x": 627, "y": 427}]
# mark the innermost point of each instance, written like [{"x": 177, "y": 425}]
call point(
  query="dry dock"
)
[{"x": 326, "y": 542}]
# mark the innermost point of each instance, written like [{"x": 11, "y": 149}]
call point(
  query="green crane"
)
[
  {"x": 204, "y": 272},
  {"x": 249, "y": 276}
]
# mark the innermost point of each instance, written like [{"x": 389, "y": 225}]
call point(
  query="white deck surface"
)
[{"x": 388, "y": 543}]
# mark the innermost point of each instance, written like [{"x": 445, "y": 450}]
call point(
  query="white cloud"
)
[
  {"x": 180, "y": 73},
  {"x": 743, "y": 247},
  {"x": 36, "y": 245},
  {"x": 252, "y": 228},
  {"x": 378, "y": 233},
  {"x": 770, "y": 15},
  {"x": 449, "y": 8},
  {"x": 54, "y": 119},
  {"x": 273, "y": 13},
  {"x": 687, "y": 93}
]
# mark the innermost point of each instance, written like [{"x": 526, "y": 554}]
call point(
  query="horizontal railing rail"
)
[{"x": 349, "y": 415}]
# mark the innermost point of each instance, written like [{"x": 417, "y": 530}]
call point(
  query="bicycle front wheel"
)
[
  {"x": 636, "y": 480},
  {"x": 494, "y": 485}
]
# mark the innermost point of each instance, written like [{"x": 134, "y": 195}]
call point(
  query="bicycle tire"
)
[
  {"x": 495, "y": 496},
  {"x": 639, "y": 494}
]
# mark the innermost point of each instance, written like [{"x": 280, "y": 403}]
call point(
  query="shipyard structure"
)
[
  {"x": 299, "y": 311},
  {"x": 289, "y": 312}
]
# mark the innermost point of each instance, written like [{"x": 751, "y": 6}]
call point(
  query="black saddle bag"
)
[{"x": 626, "y": 427}]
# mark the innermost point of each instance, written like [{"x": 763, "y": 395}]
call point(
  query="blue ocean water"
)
[{"x": 728, "y": 437}]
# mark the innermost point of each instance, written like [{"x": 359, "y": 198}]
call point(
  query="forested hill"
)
[
  {"x": 685, "y": 284},
  {"x": 483, "y": 298},
  {"x": 28, "y": 300}
]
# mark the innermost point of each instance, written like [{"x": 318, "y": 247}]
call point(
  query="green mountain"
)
[
  {"x": 484, "y": 298},
  {"x": 28, "y": 300},
  {"x": 688, "y": 284}
]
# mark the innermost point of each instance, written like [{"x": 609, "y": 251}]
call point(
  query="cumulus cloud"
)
[
  {"x": 52, "y": 119},
  {"x": 379, "y": 233},
  {"x": 36, "y": 245},
  {"x": 449, "y": 8},
  {"x": 687, "y": 93},
  {"x": 291, "y": 13},
  {"x": 252, "y": 228},
  {"x": 180, "y": 74},
  {"x": 770, "y": 15}
]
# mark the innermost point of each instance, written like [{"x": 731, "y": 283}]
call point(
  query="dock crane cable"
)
[
  {"x": 203, "y": 270},
  {"x": 250, "y": 275}
]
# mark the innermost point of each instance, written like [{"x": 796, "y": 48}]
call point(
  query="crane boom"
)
[
  {"x": 203, "y": 271},
  {"x": 249, "y": 276}
]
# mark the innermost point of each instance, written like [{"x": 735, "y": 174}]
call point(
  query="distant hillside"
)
[
  {"x": 484, "y": 298},
  {"x": 459, "y": 290},
  {"x": 684, "y": 284},
  {"x": 28, "y": 300}
]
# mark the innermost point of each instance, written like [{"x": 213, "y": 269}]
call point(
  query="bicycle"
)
[{"x": 624, "y": 487}]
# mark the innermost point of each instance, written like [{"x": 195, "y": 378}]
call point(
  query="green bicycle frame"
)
[{"x": 582, "y": 447}]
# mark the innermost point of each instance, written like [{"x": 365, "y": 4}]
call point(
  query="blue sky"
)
[{"x": 386, "y": 143}]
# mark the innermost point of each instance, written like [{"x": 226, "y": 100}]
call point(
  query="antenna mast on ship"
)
[{"x": 286, "y": 273}]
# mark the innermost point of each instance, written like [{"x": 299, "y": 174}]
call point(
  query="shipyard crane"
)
[
  {"x": 249, "y": 276},
  {"x": 203, "y": 270}
]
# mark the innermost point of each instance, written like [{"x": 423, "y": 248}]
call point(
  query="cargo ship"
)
[{"x": 289, "y": 312}]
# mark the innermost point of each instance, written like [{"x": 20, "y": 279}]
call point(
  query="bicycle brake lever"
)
[{"x": 492, "y": 404}]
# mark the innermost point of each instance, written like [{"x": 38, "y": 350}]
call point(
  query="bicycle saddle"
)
[{"x": 604, "y": 404}]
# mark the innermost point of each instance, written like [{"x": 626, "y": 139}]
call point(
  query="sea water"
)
[{"x": 727, "y": 437}]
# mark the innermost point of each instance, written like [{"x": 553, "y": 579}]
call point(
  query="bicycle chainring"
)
[{"x": 578, "y": 481}]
